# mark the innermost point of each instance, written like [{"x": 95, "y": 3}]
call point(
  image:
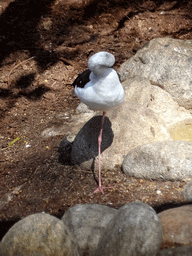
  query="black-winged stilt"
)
[{"x": 99, "y": 87}]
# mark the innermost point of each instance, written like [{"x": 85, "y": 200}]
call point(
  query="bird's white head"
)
[{"x": 99, "y": 61}]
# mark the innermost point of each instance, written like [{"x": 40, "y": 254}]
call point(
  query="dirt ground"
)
[{"x": 43, "y": 46}]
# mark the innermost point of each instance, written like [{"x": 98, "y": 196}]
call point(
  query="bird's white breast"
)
[{"x": 102, "y": 92}]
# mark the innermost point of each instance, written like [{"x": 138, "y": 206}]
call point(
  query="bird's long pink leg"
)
[{"x": 100, "y": 188}]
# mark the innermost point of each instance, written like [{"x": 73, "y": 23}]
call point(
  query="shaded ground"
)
[{"x": 44, "y": 45}]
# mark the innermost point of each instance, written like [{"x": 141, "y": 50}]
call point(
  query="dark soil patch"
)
[{"x": 44, "y": 45}]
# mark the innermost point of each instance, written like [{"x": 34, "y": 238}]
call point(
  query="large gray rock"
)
[
  {"x": 38, "y": 235},
  {"x": 167, "y": 160},
  {"x": 135, "y": 230},
  {"x": 167, "y": 63},
  {"x": 87, "y": 223},
  {"x": 140, "y": 91},
  {"x": 124, "y": 129},
  {"x": 166, "y": 108},
  {"x": 177, "y": 225}
]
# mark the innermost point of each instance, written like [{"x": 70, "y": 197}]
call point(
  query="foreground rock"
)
[
  {"x": 168, "y": 160},
  {"x": 89, "y": 229},
  {"x": 87, "y": 224},
  {"x": 135, "y": 230},
  {"x": 155, "y": 62},
  {"x": 39, "y": 234},
  {"x": 177, "y": 225}
]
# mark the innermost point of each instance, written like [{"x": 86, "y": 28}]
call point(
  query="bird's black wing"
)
[{"x": 82, "y": 79}]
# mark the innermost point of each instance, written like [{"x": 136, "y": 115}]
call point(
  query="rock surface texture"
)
[
  {"x": 87, "y": 224},
  {"x": 134, "y": 230},
  {"x": 177, "y": 251},
  {"x": 121, "y": 133},
  {"x": 187, "y": 192},
  {"x": 167, "y": 160},
  {"x": 177, "y": 225},
  {"x": 38, "y": 235},
  {"x": 166, "y": 62}
]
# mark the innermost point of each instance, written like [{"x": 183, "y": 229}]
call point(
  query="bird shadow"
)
[{"x": 85, "y": 145}]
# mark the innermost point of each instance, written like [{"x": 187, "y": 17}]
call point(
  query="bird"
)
[{"x": 99, "y": 87}]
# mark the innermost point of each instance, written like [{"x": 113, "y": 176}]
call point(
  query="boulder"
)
[
  {"x": 125, "y": 128},
  {"x": 177, "y": 225},
  {"x": 39, "y": 234},
  {"x": 135, "y": 230},
  {"x": 167, "y": 160},
  {"x": 87, "y": 223},
  {"x": 166, "y": 62}
]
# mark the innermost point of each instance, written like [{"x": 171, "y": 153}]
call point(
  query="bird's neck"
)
[{"x": 101, "y": 71}]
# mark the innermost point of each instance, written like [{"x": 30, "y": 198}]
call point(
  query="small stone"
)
[{"x": 158, "y": 192}]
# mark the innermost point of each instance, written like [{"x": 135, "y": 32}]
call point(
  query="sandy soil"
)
[{"x": 44, "y": 45}]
